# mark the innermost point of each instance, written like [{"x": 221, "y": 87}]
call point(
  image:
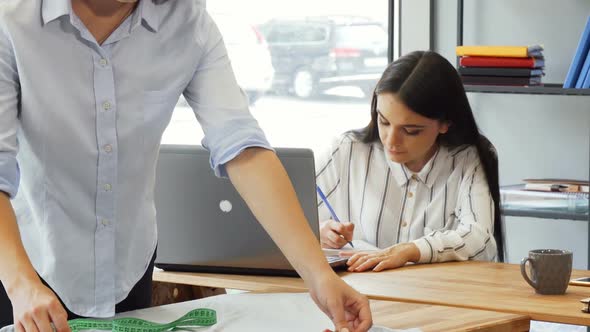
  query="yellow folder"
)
[{"x": 499, "y": 51}]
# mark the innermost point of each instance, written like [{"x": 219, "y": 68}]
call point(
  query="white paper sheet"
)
[
  {"x": 252, "y": 312},
  {"x": 249, "y": 312},
  {"x": 359, "y": 245}
]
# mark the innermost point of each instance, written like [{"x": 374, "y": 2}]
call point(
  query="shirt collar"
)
[
  {"x": 52, "y": 9},
  {"x": 400, "y": 173},
  {"x": 427, "y": 174},
  {"x": 148, "y": 13}
]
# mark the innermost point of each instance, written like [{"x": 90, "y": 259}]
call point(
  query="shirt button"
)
[
  {"x": 108, "y": 148},
  {"x": 404, "y": 224},
  {"x": 106, "y": 106},
  {"x": 410, "y": 195},
  {"x": 103, "y": 62},
  {"x": 107, "y": 187},
  {"x": 105, "y": 222},
  {"x": 414, "y": 177}
]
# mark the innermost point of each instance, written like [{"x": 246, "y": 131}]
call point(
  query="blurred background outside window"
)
[{"x": 308, "y": 67}]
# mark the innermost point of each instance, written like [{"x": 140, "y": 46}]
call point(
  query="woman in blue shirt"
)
[{"x": 87, "y": 88}]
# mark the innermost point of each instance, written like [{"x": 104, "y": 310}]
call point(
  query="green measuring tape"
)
[{"x": 194, "y": 318}]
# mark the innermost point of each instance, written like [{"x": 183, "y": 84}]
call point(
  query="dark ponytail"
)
[
  {"x": 429, "y": 85},
  {"x": 489, "y": 160}
]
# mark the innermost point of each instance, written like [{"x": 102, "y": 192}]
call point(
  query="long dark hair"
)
[{"x": 430, "y": 86}]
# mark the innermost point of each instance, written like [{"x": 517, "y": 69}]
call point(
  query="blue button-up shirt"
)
[{"x": 86, "y": 121}]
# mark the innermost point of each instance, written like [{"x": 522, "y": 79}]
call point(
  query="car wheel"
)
[{"x": 304, "y": 84}]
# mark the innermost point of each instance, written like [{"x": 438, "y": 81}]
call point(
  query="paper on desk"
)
[
  {"x": 376, "y": 328},
  {"x": 359, "y": 245},
  {"x": 248, "y": 312}
]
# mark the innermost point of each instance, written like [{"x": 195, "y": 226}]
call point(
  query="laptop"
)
[{"x": 205, "y": 226}]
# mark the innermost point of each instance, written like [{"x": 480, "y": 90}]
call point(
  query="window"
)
[
  {"x": 308, "y": 67},
  {"x": 363, "y": 35},
  {"x": 297, "y": 33}
]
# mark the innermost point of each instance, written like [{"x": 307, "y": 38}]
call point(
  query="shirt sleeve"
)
[
  {"x": 9, "y": 94},
  {"x": 220, "y": 106},
  {"x": 329, "y": 179},
  {"x": 473, "y": 238}
]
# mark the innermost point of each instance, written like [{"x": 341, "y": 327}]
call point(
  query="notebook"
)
[
  {"x": 359, "y": 246},
  {"x": 205, "y": 226}
]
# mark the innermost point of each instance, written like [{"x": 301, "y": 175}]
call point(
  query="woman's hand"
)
[
  {"x": 390, "y": 258},
  {"x": 334, "y": 235},
  {"x": 348, "y": 309}
]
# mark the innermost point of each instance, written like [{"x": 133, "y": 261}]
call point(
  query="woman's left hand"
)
[{"x": 390, "y": 258}]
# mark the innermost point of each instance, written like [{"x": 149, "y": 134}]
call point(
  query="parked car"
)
[
  {"x": 249, "y": 54},
  {"x": 312, "y": 54}
]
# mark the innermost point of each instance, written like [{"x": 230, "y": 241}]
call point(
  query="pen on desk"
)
[{"x": 325, "y": 200}]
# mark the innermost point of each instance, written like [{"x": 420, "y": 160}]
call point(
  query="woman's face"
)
[{"x": 408, "y": 137}]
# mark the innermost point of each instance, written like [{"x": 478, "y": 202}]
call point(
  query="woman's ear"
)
[{"x": 444, "y": 127}]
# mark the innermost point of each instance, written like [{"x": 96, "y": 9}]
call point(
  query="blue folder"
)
[
  {"x": 578, "y": 61},
  {"x": 583, "y": 72},
  {"x": 586, "y": 84}
]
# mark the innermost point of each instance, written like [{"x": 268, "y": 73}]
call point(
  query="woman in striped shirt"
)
[{"x": 419, "y": 181}]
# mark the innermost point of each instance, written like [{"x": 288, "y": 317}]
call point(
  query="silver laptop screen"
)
[{"x": 202, "y": 221}]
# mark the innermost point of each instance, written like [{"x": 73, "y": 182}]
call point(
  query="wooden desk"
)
[
  {"x": 399, "y": 315},
  {"x": 475, "y": 285},
  {"x": 392, "y": 314},
  {"x": 262, "y": 284},
  {"x": 269, "y": 312}
]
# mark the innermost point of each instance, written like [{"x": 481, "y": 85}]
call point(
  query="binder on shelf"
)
[
  {"x": 517, "y": 201},
  {"x": 488, "y": 71},
  {"x": 583, "y": 72},
  {"x": 586, "y": 84},
  {"x": 500, "y": 51},
  {"x": 579, "y": 57},
  {"x": 503, "y": 62},
  {"x": 502, "y": 80},
  {"x": 557, "y": 185}
]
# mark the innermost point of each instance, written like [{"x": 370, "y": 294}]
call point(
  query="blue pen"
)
[{"x": 325, "y": 200}]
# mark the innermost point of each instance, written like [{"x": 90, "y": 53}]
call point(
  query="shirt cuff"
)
[
  {"x": 426, "y": 250},
  {"x": 226, "y": 144},
  {"x": 9, "y": 174},
  {"x": 219, "y": 166}
]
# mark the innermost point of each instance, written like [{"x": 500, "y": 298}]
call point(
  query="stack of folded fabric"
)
[{"x": 501, "y": 65}]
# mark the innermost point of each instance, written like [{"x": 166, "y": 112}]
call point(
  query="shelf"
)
[
  {"x": 515, "y": 201},
  {"x": 546, "y": 89},
  {"x": 544, "y": 214}
]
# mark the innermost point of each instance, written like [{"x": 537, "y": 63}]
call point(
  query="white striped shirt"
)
[{"x": 446, "y": 209}]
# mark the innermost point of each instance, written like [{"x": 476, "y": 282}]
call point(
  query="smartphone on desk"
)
[{"x": 584, "y": 281}]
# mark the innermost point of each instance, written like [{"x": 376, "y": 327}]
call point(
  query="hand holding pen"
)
[{"x": 336, "y": 227}]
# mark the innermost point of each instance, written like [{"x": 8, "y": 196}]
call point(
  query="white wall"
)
[{"x": 415, "y": 24}]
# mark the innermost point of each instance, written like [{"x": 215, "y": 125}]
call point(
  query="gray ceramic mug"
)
[{"x": 551, "y": 270}]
